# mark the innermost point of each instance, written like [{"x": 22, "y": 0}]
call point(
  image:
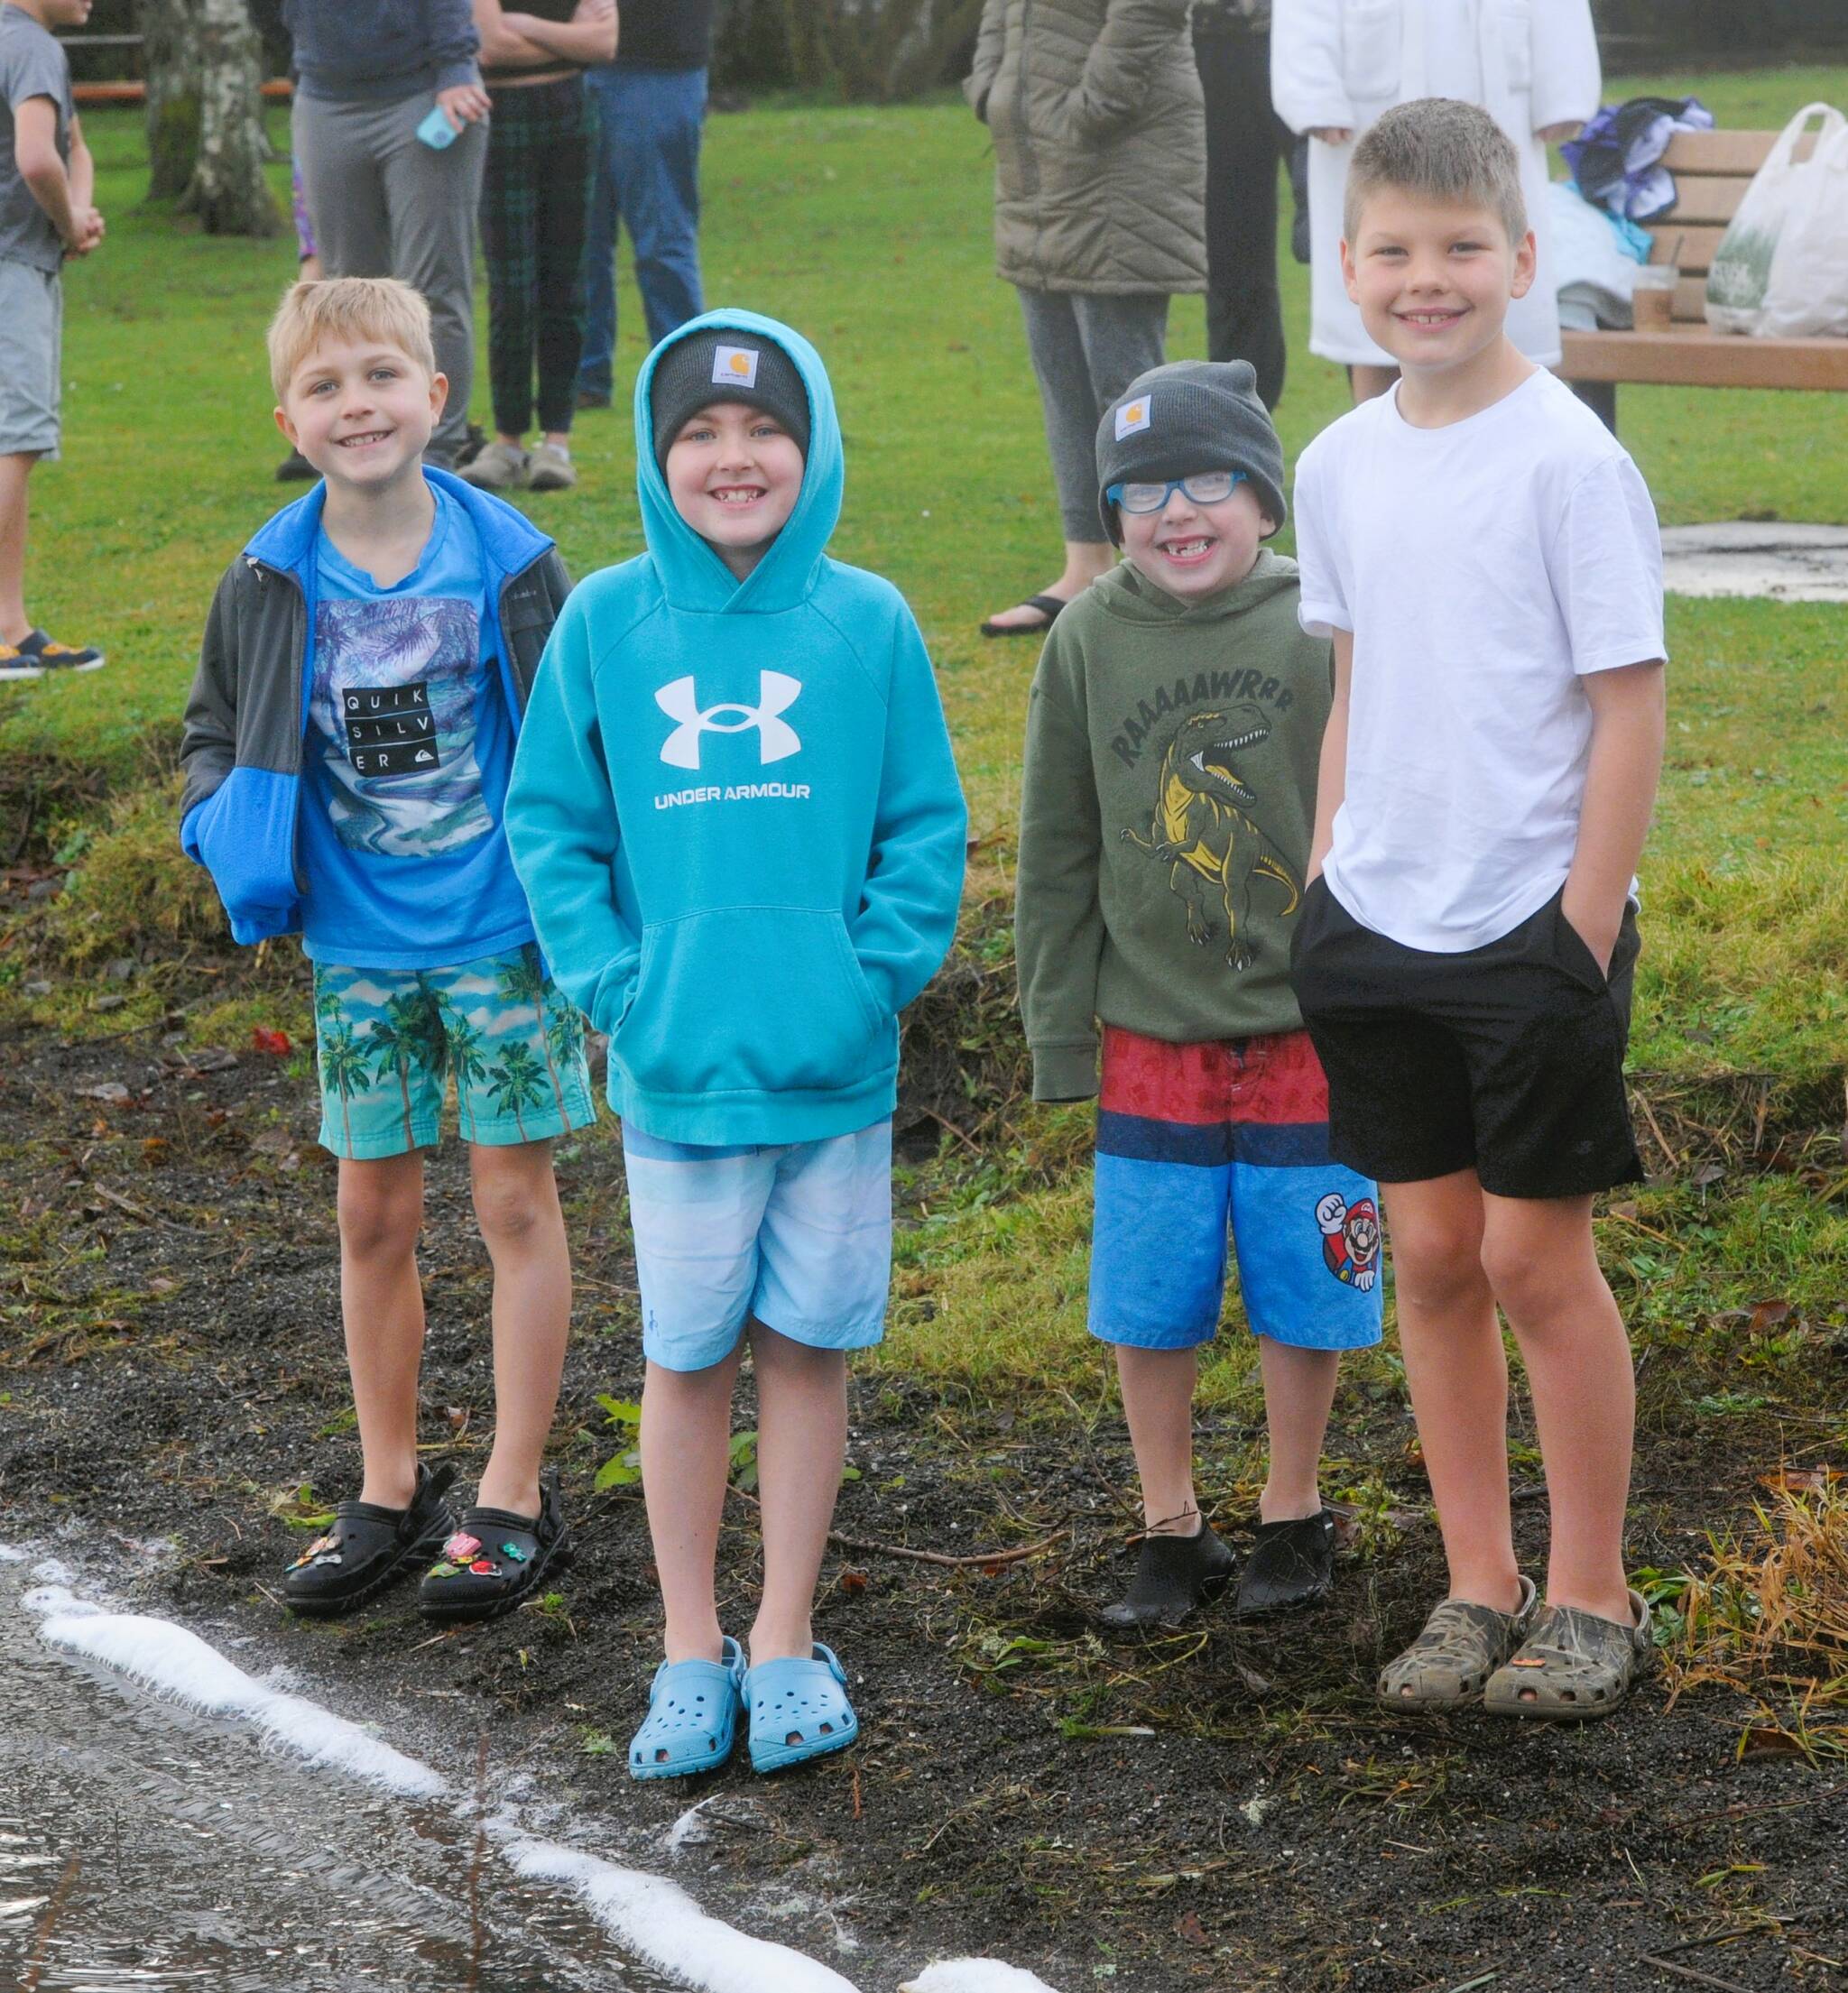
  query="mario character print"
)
[{"x": 1350, "y": 1240}]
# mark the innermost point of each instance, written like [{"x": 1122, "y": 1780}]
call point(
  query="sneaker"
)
[
  {"x": 295, "y": 469},
  {"x": 36, "y": 656},
  {"x": 551, "y": 469},
  {"x": 497, "y": 467}
]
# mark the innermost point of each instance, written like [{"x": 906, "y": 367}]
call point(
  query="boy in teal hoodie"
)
[{"x": 737, "y": 819}]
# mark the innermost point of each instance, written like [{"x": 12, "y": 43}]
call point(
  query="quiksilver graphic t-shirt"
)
[{"x": 408, "y": 747}]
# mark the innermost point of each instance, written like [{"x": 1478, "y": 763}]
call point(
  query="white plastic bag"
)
[
  {"x": 1809, "y": 274},
  {"x": 1738, "y": 283}
]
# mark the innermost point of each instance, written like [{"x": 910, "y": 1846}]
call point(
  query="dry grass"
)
[{"x": 1769, "y": 1619}]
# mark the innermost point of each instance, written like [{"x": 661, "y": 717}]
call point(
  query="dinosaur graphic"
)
[{"x": 1202, "y": 829}]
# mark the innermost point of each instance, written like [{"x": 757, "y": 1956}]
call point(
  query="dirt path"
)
[{"x": 1220, "y": 1809}]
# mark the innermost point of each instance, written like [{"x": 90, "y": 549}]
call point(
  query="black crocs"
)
[
  {"x": 1291, "y": 1564},
  {"x": 496, "y": 1559},
  {"x": 367, "y": 1547},
  {"x": 1174, "y": 1574}
]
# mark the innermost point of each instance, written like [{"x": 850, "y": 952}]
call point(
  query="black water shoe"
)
[
  {"x": 1174, "y": 1575},
  {"x": 367, "y": 1547},
  {"x": 1291, "y": 1564}
]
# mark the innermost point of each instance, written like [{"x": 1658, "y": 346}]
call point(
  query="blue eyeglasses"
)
[{"x": 1205, "y": 488}]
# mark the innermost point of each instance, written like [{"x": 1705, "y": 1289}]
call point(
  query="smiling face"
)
[
  {"x": 734, "y": 473},
  {"x": 1433, "y": 280},
  {"x": 1195, "y": 550},
  {"x": 361, "y": 411}
]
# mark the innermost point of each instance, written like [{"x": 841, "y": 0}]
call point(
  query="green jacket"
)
[
  {"x": 1099, "y": 145},
  {"x": 1167, "y": 803}
]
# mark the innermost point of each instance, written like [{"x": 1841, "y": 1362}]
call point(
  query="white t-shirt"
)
[{"x": 1483, "y": 570}]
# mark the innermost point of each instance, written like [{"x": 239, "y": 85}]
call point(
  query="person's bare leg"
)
[
  {"x": 1084, "y": 561},
  {"x": 802, "y": 1444},
  {"x": 1158, "y": 1401},
  {"x": 1458, "y": 1373},
  {"x": 1371, "y": 382},
  {"x": 381, "y": 1209},
  {"x": 14, "y": 624},
  {"x": 686, "y": 1459},
  {"x": 1298, "y": 1395},
  {"x": 516, "y": 1205},
  {"x": 1544, "y": 1268}
]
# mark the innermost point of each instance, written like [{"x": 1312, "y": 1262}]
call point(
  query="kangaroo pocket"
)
[{"x": 751, "y": 1000}]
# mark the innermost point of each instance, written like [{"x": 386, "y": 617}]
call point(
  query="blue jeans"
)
[{"x": 648, "y": 175}]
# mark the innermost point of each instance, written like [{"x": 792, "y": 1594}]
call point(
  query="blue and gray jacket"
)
[{"x": 245, "y": 719}]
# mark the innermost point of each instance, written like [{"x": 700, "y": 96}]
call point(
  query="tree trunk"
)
[
  {"x": 205, "y": 114},
  {"x": 170, "y": 51}
]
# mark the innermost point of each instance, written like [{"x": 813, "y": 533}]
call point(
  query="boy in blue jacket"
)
[
  {"x": 347, "y": 746},
  {"x": 737, "y": 818}
]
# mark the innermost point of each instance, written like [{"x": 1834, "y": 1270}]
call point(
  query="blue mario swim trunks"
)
[{"x": 1204, "y": 1147}]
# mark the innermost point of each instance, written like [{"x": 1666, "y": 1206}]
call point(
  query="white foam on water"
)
[
  {"x": 657, "y": 1920},
  {"x": 168, "y": 1658},
  {"x": 974, "y": 1975},
  {"x": 652, "y": 1917},
  {"x": 9, "y": 1554}
]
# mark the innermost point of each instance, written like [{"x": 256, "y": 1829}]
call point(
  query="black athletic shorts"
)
[{"x": 1507, "y": 1059}]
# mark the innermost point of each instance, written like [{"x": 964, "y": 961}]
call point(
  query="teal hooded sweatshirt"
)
[{"x": 735, "y": 813}]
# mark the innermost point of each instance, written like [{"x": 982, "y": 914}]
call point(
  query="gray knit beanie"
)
[
  {"x": 726, "y": 365},
  {"x": 1193, "y": 415}
]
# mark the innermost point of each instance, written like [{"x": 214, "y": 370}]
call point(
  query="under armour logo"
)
[{"x": 776, "y": 738}]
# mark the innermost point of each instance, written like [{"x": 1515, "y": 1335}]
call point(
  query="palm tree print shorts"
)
[{"x": 389, "y": 1040}]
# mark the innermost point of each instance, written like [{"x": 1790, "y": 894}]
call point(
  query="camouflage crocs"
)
[
  {"x": 1449, "y": 1663},
  {"x": 1574, "y": 1666}
]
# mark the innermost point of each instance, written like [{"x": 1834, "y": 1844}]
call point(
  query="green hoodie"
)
[{"x": 1167, "y": 803}]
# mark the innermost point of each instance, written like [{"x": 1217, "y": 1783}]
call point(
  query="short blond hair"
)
[
  {"x": 1439, "y": 149},
  {"x": 347, "y": 308}
]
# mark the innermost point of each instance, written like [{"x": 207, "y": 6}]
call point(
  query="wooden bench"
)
[{"x": 1712, "y": 171}]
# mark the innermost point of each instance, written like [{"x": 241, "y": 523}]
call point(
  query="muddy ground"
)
[{"x": 1216, "y": 1809}]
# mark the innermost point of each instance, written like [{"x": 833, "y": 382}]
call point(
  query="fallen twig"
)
[
  {"x": 147, "y": 1217},
  {"x": 36, "y": 1963},
  {"x": 920, "y": 1556},
  {"x": 1689, "y": 1972}
]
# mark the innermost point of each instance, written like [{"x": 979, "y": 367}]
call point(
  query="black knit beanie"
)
[
  {"x": 1192, "y": 416},
  {"x": 726, "y": 365}
]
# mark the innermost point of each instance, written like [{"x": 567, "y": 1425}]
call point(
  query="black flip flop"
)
[
  {"x": 367, "y": 1547},
  {"x": 496, "y": 1559},
  {"x": 1049, "y": 606},
  {"x": 1174, "y": 1574}
]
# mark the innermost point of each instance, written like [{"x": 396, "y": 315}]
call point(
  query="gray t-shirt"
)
[{"x": 32, "y": 64}]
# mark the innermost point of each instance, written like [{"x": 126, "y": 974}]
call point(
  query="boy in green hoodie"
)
[
  {"x": 1167, "y": 802},
  {"x": 737, "y": 819}
]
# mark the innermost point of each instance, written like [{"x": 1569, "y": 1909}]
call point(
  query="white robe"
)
[{"x": 1340, "y": 63}]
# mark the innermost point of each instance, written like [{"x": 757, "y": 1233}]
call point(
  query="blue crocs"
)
[
  {"x": 799, "y": 1710},
  {"x": 692, "y": 1719}
]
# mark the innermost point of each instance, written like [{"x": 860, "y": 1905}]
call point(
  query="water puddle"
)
[{"x": 172, "y": 1822}]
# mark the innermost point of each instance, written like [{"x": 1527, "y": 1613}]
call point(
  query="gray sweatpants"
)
[
  {"x": 386, "y": 205},
  {"x": 1087, "y": 348}
]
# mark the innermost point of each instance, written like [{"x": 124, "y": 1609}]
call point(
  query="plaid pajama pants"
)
[{"x": 535, "y": 200}]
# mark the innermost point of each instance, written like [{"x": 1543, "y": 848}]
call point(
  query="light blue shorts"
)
[{"x": 798, "y": 1237}]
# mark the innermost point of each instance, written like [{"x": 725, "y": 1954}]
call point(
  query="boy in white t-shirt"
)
[{"x": 1487, "y": 561}]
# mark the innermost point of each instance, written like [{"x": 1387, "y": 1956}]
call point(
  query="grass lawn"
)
[{"x": 870, "y": 229}]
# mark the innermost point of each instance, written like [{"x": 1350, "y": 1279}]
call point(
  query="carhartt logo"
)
[
  {"x": 734, "y": 366},
  {"x": 1132, "y": 416},
  {"x": 776, "y": 738}
]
